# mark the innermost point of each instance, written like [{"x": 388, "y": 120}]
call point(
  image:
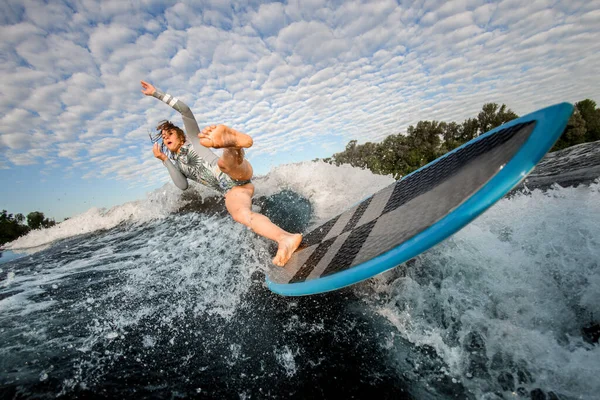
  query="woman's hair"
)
[{"x": 168, "y": 126}]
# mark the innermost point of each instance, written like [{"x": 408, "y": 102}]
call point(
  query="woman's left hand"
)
[
  {"x": 157, "y": 153},
  {"x": 147, "y": 88}
]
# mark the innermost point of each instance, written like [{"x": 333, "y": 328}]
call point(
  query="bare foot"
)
[
  {"x": 221, "y": 136},
  {"x": 287, "y": 246}
]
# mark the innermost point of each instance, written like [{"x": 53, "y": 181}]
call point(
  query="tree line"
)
[
  {"x": 400, "y": 154},
  {"x": 13, "y": 226}
]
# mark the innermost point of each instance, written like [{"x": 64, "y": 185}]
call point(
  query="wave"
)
[
  {"x": 510, "y": 299},
  {"x": 329, "y": 189}
]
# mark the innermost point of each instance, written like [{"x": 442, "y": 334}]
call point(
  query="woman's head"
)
[{"x": 173, "y": 136}]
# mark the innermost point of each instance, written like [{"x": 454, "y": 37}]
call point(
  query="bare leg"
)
[
  {"x": 239, "y": 199},
  {"x": 239, "y": 202}
]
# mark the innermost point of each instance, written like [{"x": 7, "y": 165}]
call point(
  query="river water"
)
[{"x": 165, "y": 298}]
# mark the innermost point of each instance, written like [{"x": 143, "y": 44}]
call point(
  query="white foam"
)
[
  {"x": 157, "y": 204},
  {"x": 328, "y": 187},
  {"x": 524, "y": 277},
  {"x": 186, "y": 266},
  {"x": 286, "y": 358}
]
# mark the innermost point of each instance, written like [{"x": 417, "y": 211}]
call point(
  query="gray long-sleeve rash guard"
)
[
  {"x": 178, "y": 178},
  {"x": 198, "y": 163}
]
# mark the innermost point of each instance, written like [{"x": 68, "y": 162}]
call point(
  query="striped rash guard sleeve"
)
[{"x": 191, "y": 126}]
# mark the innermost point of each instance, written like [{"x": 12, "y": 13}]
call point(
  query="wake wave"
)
[
  {"x": 506, "y": 301},
  {"x": 329, "y": 188}
]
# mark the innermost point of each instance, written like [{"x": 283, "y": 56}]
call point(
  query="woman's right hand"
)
[
  {"x": 147, "y": 88},
  {"x": 157, "y": 153}
]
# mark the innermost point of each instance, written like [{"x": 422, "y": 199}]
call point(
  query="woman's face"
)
[{"x": 171, "y": 140}]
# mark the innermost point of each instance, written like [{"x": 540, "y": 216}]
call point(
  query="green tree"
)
[
  {"x": 35, "y": 219},
  {"x": 574, "y": 133},
  {"x": 591, "y": 115},
  {"x": 469, "y": 129},
  {"x": 491, "y": 116},
  {"x": 392, "y": 156},
  {"x": 348, "y": 155},
  {"x": 426, "y": 139},
  {"x": 10, "y": 227},
  {"x": 452, "y": 137}
]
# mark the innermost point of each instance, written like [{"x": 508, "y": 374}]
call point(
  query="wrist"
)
[{"x": 158, "y": 94}]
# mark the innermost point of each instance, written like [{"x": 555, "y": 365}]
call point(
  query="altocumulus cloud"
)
[{"x": 296, "y": 74}]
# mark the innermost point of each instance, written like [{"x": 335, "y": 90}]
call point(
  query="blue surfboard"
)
[{"x": 415, "y": 213}]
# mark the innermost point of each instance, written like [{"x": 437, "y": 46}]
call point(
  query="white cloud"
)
[
  {"x": 20, "y": 158},
  {"x": 180, "y": 16},
  {"x": 292, "y": 75},
  {"x": 48, "y": 17},
  {"x": 269, "y": 18},
  {"x": 16, "y": 123},
  {"x": 483, "y": 13},
  {"x": 71, "y": 150},
  {"x": 13, "y": 34},
  {"x": 235, "y": 52},
  {"x": 105, "y": 39},
  {"x": 16, "y": 140}
]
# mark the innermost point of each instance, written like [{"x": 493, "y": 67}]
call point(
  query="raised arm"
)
[{"x": 189, "y": 122}]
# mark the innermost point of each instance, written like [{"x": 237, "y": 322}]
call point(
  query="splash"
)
[
  {"x": 329, "y": 189},
  {"x": 502, "y": 304},
  {"x": 505, "y": 301}
]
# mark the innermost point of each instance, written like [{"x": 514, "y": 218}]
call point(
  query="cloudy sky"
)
[{"x": 302, "y": 77}]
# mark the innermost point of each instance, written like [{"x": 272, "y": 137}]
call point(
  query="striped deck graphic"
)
[{"x": 392, "y": 226}]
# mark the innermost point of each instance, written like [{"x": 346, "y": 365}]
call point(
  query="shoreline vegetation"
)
[
  {"x": 14, "y": 226},
  {"x": 397, "y": 155},
  {"x": 401, "y": 154}
]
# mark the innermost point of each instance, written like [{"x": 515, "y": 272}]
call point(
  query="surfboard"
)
[{"x": 420, "y": 210}]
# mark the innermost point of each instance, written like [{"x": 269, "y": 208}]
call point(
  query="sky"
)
[{"x": 301, "y": 77}]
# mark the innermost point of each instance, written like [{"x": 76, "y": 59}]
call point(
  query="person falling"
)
[{"x": 230, "y": 174}]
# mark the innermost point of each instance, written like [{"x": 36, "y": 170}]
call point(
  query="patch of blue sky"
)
[{"x": 58, "y": 194}]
